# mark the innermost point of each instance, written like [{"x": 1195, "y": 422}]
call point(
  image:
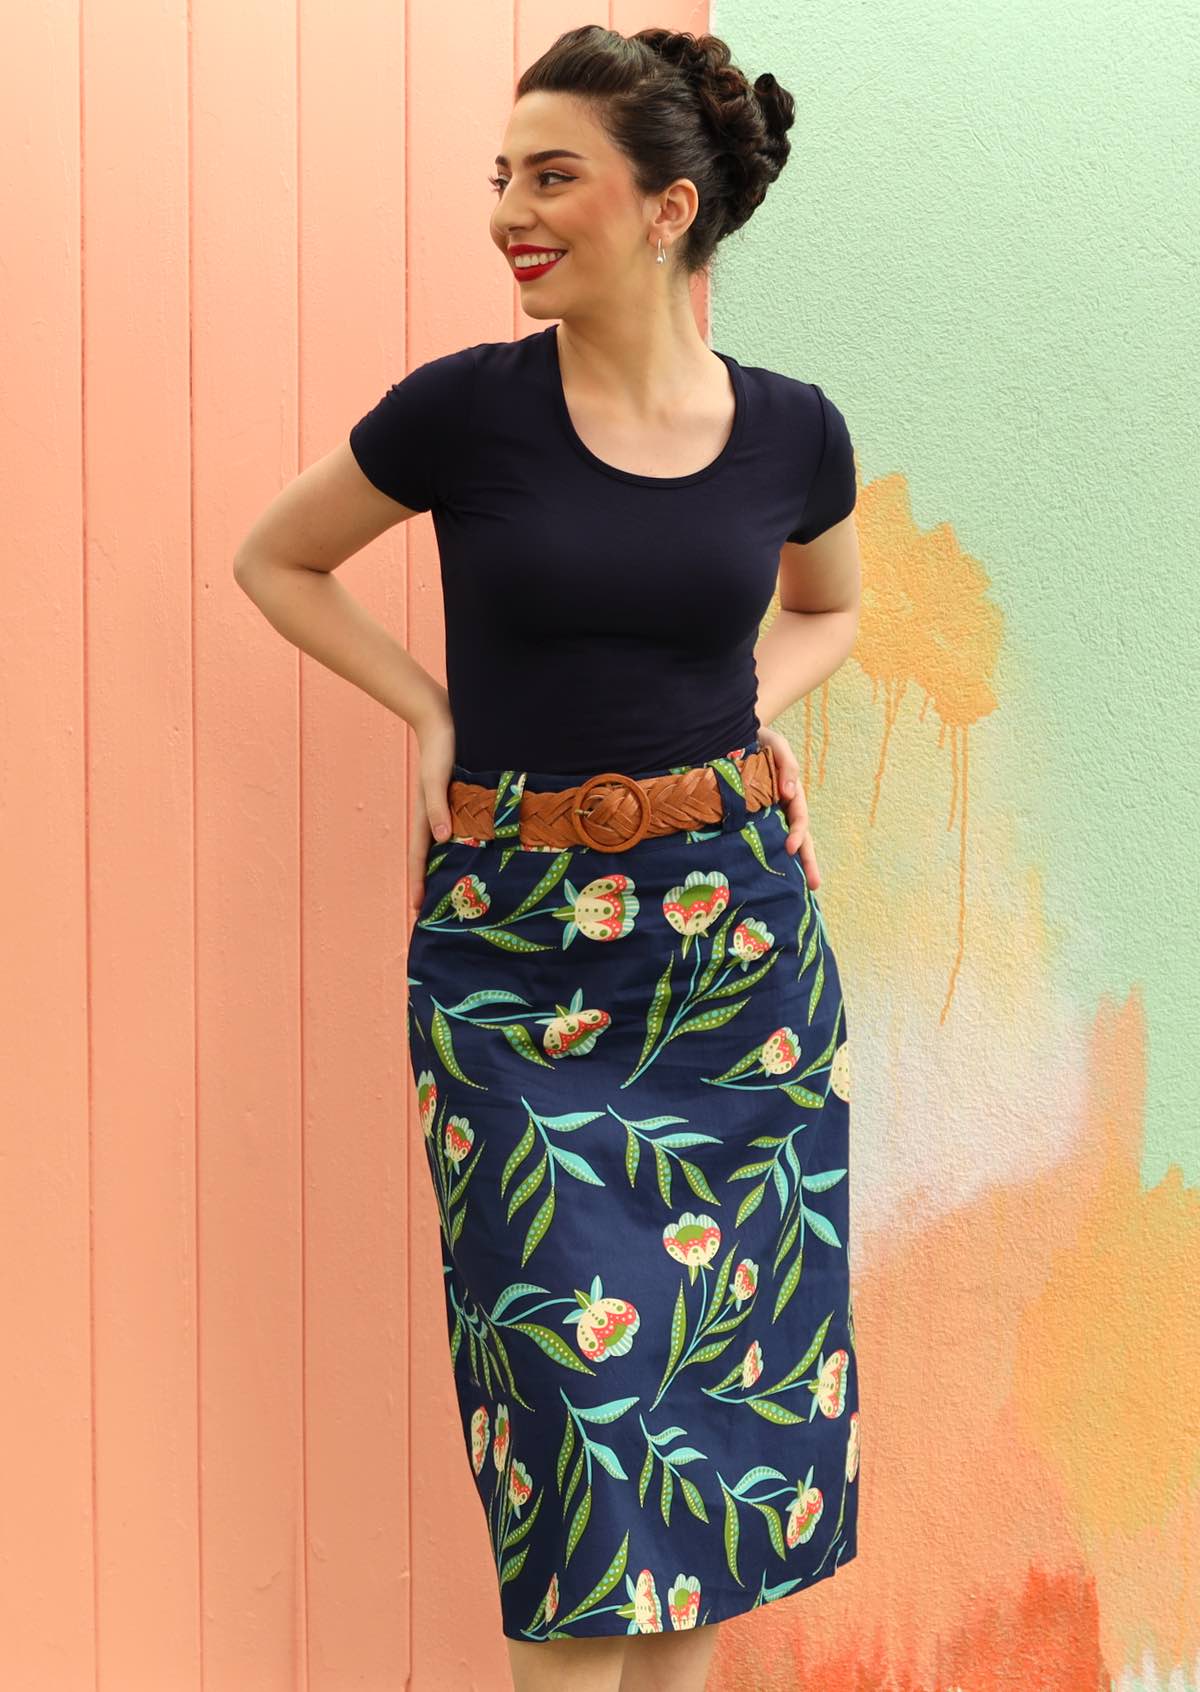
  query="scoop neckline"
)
[{"x": 550, "y": 338}]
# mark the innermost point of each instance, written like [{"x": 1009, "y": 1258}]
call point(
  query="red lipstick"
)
[{"x": 526, "y": 271}]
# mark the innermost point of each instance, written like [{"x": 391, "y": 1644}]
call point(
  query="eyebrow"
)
[{"x": 540, "y": 158}]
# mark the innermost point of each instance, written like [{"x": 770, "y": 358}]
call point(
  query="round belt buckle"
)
[{"x": 579, "y": 810}]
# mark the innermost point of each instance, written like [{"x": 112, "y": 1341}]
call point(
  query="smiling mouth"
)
[{"x": 521, "y": 271}]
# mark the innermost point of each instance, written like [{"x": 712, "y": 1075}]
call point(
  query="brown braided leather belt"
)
[{"x": 611, "y": 812}]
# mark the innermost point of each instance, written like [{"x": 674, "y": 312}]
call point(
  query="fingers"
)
[{"x": 808, "y": 862}]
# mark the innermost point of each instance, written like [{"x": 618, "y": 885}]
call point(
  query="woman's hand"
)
[
  {"x": 794, "y": 803},
  {"x": 431, "y": 808}
]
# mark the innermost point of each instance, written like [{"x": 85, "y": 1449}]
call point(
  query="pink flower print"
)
[
  {"x": 520, "y": 1485},
  {"x": 839, "y": 1072},
  {"x": 831, "y": 1383},
  {"x": 647, "y": 1608},
  {"x": 804, "y": 1514},
  {"x": 470, "y": 897},
  {"x": 503, "y": 1434},
  {"x": 427, "y": 1096},
  {"x": 479, "y": 1437},
  {"x": 605, "y": 908},
  {"x": 552, "y": 1598},
  {"x": 693, "y": 1240},
  {"x": 604, "y": 1326},
  {"x": 751, "y": 940},
  {"x": 574, "y": 1030},
  {"x": 695, "y": 904},
  {"x": 466, "y": 839},
  {"x": 752, "y": 1364},
  {"x": 460, "y": 1137},
  {"x": 852, "y": 1447},
  {"x": 745, "y": 1281},
  {"x": 780, "y": 1051},
  {"x": 683, "y": 1601}
]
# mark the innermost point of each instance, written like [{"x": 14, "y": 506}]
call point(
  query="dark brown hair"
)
[{"x": 675, "y": 106}]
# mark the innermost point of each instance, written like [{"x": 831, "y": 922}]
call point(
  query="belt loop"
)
[
  {"x": 733, "y": 794},
  {"x": 506, "y": 807}
]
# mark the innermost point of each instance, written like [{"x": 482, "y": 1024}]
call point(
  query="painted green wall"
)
[{"x": 984, "y": 247}]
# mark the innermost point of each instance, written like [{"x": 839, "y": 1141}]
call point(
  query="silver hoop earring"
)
[{"x": 662, "y": 257}]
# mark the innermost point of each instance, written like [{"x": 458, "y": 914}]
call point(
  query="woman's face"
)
[{"x": 580, "y": 202}]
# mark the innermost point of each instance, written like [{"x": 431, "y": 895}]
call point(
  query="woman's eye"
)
[{"x": 499, "y": 183}]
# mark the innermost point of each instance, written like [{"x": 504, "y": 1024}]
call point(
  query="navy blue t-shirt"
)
[{"x": 595, "y": 618}]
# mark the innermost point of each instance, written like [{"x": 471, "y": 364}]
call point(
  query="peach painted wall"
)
[{"x": 229, "y": 1454}]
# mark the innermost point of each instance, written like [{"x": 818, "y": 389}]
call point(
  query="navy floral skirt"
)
[{"x": 633, "y": 1081}]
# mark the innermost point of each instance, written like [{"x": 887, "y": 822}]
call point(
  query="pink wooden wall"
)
[{"x": 230, "y": 1458}]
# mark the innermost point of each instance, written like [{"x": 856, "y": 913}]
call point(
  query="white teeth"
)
[{"x": 524, "y": 261}]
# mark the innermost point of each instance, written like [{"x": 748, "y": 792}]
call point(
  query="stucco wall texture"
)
[
  {"x": 229, "y": 1453},
  {"x": 984, "y": 248}
]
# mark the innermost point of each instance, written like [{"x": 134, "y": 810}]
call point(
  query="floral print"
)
[{"x": 647, "y": 1281}]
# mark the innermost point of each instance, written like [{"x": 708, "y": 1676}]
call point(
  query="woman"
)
[{"x": 625, "y": 1016}]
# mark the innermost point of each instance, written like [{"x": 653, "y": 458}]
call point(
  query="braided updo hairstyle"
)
[{"x": 676, "y": 107}]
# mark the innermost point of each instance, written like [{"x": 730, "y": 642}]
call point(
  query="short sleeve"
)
[
  {"x": 834, "y": 489},
  {"x": 411, "y": 443}
]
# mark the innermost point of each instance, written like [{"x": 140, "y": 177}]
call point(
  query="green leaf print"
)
[
  {"x": 665, "y": 1149},
  {"x": 538, "y": 1226},
  {"x": 576, "y": 1474},
  {"x": 608, "y": 1459},
  {"x": 692, "y": 1015},
  {"x": 656, "y": 1014},
  {"x": 522, "y": 1042},
  {"x": 751, "y": 978},
  {"x": 578, "y": 1522},
  {"x": 515, "y": 1535},
  {"x": 789, "y": 1283},
  {"x": 716, "y": 956},
  {"x": 564, "y": 1451},
  {"x": 553, "y": 1346},
  {"x": 731, "y": 1536},
  {"x": 573, "y": 1164},
  {"x": 678, "y": 1330},
  {"x": 774, "y": 1526},
  {"x": 692, "y": 1498},
  {"x": 772, "y": 1412},
  {"x": 803, "y": 1096},
  {"x": 513, "y": 1565},
  {"x": 752, "y": 1477},
  {"x": 822, "y": 1227},
  {"x": 814, "y": 998},
  {"x": 647, "y": 1472},
  {"x": 444, "y": 1046},
  {"x": 671, "y": 1464},
  {"x": 519, "y": 1152},
  {"x": 663, "y": 1170},
  {"x": 822, "y": 1183},
  {"x": 605, "y": 1584},
  {"x": 602, "y": 1412},
  {"x": 506, "y": 942},
  {"x": 709, "y": 1019},
  {"x": 696, "y": 1180},
  {"x": 750, "y": 1203},
  {"x": 528, "y": 1186}
]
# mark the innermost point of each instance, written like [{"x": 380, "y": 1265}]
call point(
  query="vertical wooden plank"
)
[
  {"x": 249, "y": 915},
  {"x": 459, "y": 84},
  {"x": 354, "y": 918},
  {"x": 46, "y": 1523},
  {"x": 139, "y": 667}
]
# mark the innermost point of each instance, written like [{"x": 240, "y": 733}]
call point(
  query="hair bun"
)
[{"x": 677, "y": 106}]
